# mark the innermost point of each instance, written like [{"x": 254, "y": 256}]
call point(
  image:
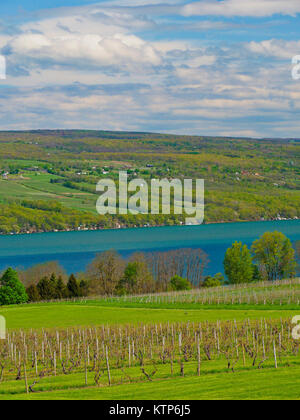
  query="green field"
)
[
  {"x": 215, "y": 382},
  {"x": 38, "y": 187},
  {"x": 271, "y": 384},
  {"x": 63, "y": 315}
]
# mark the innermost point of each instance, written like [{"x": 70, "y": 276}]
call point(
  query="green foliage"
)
[
  {"x": 136, "y": 278},
  {"x": 257, "y": 276},
  {"x": 216, "y": 281},
  {"x": 275, "y": 256},
  {"x": 178, "y": 283},
  {"x": 238, "y": 264},
  {"x": 130, "y": 276},
  {"x": 12, "y": 290}
]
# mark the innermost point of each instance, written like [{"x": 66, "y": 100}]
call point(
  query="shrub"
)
[
  {"x": 216, "y": 281},
  {"x": 178, "y": 283}
]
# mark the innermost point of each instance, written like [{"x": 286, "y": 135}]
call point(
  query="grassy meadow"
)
[
  {"x": 67, "y": 315},
  {"x": 270, "y": 384}
]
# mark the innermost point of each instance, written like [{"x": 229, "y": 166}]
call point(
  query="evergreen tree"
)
[
  {"x": 12, "y": 290},
  {"x": 61, "y": 290},
  {"x": 84, "y": 288},
  {"x": 46, "y": 289},
  {"x": 238, "y": 264},
  {"x": 33, "y": 293},
  {"x": 73, "y": 287},
  {"x": 53, "y": 283}
]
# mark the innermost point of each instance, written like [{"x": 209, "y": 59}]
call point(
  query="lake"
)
[{"x": 74, "y": 250}]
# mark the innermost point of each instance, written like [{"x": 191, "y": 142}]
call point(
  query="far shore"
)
[{"x": 145, "y": 227}]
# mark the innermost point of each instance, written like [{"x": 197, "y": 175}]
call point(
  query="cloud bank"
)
[{"x": 152, "y": 66}]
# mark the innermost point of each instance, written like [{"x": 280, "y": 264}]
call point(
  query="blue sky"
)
[{"x": 208, "y": 67}]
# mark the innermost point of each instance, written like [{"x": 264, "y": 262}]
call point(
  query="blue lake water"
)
[{"x": 74, "y": 250}]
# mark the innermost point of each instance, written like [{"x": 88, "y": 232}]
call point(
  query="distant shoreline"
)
[{"x": 145, "y": 227}]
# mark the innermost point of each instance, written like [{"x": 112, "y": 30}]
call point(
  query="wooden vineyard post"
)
[
  {"x": 199, "y": 356},
  {"x": 275, "y": 356},
  {"x": 54, "y": 363},
  {"x": 129, "y": 354},
  {"x": 25, "y": 376},
  {"x": 35, "y": 363},
  {"x": 179, "y": 343},
  {"x": 85, "y": 366},
  {"x": 107, "y": 365}
]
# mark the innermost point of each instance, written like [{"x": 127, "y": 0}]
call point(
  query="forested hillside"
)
[{"x": 54, "y": 187}]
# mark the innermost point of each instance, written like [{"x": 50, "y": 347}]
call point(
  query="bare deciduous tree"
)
[
  {"x": 104, "y": 272},
  {"x": 185, "y": 262}
]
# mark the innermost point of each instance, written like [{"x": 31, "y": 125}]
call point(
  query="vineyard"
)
[
  {"x": 235, "y": 341},
  {"x": 37, "y": 361},
  {"x": 277, "y": 293},
  {"x": 283, "y": 292}
]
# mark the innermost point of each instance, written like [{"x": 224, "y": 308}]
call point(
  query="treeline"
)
[
  {"x": 271, "y": 258},
  {"x": 110, "y": 274},
  {"x": 43, "y": 216},
  {"x": 47, "y": 216},
  {"x": 40, "y": 216},
  {"x": 53, "y": 288}
]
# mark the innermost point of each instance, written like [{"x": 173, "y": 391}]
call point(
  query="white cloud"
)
[
  {"x": 119, "y": 49},
  {"x": 255, "y": 8},
  {"x": 275, "y": 48}
]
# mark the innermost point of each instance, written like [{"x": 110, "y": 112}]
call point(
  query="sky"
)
[{"x": 208, "y": 67}]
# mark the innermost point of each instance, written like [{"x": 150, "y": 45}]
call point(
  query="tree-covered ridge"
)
[{"x": 246, "y": 179}]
